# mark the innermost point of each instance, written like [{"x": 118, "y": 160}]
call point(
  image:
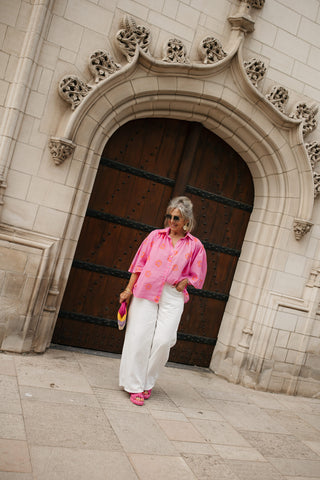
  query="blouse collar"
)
[{"x": 166, "y": 231}]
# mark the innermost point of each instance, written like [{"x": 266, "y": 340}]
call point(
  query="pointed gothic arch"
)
[{"x": 224, "y": 100}]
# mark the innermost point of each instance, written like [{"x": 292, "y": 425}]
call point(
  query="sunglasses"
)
[{"x": 175, "y": 218}]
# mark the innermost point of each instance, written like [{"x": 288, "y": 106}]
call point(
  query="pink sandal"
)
[
  {"x": 137, "y": 398},
  {"x": 147, "y": 394}
]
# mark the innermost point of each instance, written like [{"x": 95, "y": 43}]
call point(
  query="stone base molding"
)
[
  {"x": 27, "y": 264},
  {"x": 282, "y": 353}
]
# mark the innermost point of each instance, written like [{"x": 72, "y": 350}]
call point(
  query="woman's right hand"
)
[
  {"x": 127, "y": 292},
  {"x": 125, "y": 296}
]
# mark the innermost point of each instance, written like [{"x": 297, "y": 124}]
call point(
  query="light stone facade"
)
[{"x": 73, "y": 71}]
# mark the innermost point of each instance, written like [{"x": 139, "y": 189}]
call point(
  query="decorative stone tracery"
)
[
  {"x": 211, "y": 50},
  {"x": 255, "y": 70},
  {"x": 279, "y": 97},
  {"x": 73, "y": 90},
  {"x": 256, "y": 3},
  {"x": 301, "y": 227},
  {"x": 313, "y": 150},
  {"x": 131, "y": 36},
  {"x": 60, "y": 149},
  {"x": 102, "y": 64},
  {"x": 175, "y": 51},
  {"x": 307, "y": 114},
  {"x": 316, "y": 183}
]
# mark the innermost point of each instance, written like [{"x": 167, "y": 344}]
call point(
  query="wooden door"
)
[{"x": 143, "y": 165}]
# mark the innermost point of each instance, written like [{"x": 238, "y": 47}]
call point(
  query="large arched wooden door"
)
[{"x": 143, "y": 165}]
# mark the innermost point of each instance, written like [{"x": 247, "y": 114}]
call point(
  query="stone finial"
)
[
  {"x": 102, "y": 64},
  {"x": 175, "y": 51},
  {"x": 211, "y": 50},
  {"x": 307, "y": 114},
  {"x": 131, "y": 36},
  {"x": 242, "y": 20},
  {"x": 279, "y": 97},
  {"x": 301, "y": 227},
  {"x": 73, "y": 90},
  {"x": 60, "y": 149},
  {"x": 255, "y": 70}
]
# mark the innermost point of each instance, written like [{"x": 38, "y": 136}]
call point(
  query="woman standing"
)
[{"x": 165, "y": 263}]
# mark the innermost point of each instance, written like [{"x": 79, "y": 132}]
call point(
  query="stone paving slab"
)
[{"x": 63, "y": 416}]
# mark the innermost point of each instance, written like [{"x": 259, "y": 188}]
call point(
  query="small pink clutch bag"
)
[{"x": 122, "y": 316}]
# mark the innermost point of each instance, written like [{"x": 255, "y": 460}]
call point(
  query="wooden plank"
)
[{"x": 187, "y": 159}]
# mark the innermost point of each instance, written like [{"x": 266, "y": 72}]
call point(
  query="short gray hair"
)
[{"x": 185, "y": 206}]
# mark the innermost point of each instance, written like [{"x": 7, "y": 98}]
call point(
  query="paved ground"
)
[{"x": 62, "y": 416}]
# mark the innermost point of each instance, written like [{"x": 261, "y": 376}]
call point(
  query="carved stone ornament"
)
[
  {"x": 175, "y": 51},
  {"x": 61, "y": 149},
  {"x": 73, "y": 90},
  {"x": 307, "y": 114},
  {"x": 242, "y": 22},
  {"x": 211, "y": 50},
  {"x": 279, "y": 97},
  {"x": 101, "y": 65},
  {"x": 246, "y": 337},
  {"x": 316, "y": 184},
  {"x": 131, "y": 36},
  {"x": 255, "y": 70},
  {"x": 255, "y": 3},
  {"x": 300, "y": 228},
  {"x": 313, "y": 150}
]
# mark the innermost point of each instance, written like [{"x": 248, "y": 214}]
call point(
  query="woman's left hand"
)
[{"x": 181, "y": 285}]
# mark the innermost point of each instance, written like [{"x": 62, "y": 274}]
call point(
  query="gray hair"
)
[{"x": 185, "y": 206}]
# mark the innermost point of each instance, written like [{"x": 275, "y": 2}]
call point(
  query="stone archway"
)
[
  {"x": 272, "y": 150},
  {"x": 144, "y": 164},
  {"x": 225, "y": 101}
]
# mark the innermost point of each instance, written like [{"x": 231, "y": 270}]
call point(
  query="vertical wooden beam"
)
[{"x": 187, "y": 158}]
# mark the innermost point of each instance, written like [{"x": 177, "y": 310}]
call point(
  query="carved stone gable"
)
[{"x": 133, "y": 41}]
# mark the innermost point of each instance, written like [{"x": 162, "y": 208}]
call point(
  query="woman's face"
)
[{"x": 176, "y": 221}]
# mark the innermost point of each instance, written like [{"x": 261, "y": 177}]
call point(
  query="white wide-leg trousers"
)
[{"x": 150, "y": 333}]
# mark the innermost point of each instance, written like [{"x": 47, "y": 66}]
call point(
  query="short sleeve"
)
[{"x": 198, "y": 268}]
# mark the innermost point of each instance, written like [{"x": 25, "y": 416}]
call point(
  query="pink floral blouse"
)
[{"x": 159, "y": 262}]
